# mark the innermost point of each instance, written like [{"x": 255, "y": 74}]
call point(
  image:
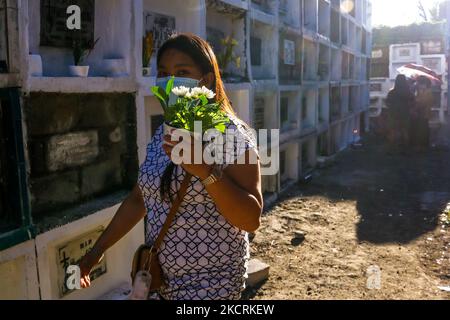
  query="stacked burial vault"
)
[{"x": 79, "y": 141}]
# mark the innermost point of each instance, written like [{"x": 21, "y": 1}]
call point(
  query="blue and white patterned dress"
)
[{"x": 203, "y": 256}]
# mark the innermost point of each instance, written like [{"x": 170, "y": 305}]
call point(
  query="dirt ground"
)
[{"x": 369, "y": 208}]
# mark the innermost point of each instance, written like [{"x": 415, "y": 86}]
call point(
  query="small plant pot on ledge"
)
[
  {"x": 146, "y": 71},
  {"x": 35, "y": 61},
  {"x": 115, "y": 67},
  {"x": 79, "y": 71}
]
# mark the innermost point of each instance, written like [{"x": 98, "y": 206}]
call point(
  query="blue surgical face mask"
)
[{"x": 178, "y": 82}]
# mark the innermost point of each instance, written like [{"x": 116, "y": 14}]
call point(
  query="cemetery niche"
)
[{"x": 54, "y": 31}]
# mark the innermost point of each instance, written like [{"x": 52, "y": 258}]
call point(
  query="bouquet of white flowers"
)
[{"x": 192, "y": 105}]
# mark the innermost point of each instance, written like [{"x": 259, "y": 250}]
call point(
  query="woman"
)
[
  {"x": 420, "y": 128},
  {"x": 400, "y": 101},
  {"x": 205, "y": 253}
]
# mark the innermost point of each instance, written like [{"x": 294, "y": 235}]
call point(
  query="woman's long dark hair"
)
[
  {"x": 203, "y": 55},
  {"x": 401, "y": 87}
]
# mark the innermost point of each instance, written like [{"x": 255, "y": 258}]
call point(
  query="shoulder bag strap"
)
[{"x": 173, "y": 211}]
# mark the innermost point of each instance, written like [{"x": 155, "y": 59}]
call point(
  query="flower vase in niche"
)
[
  {"x": 147, "y": 53},
  {"x": 81, "y": 52},
  {"x": 79, "y": 71},
  {"x": 35, "y": 61},
  {"x": 146, "y": 71},
  {"x": 227, "y": 56},
  {"x": 115, "y": 67}
]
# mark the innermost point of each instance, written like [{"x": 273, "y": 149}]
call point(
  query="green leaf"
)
[
  {"x": 221, "y": 127},
  {"x": 160, "y": 94},
  {"x": 204, "y": 100},
  {"x": 162, "y": 99},
  {"x": 163, "y": 94},
  {"x": 169, "y": 86},
  {"x": 185, "y": 112}
]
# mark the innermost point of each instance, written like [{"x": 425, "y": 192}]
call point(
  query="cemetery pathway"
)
[{"x": 368, "y": 209}]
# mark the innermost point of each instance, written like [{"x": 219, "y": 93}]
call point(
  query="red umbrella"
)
[{"x": 413, "y": 71}]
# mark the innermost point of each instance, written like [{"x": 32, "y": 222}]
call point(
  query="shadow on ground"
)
[
  {"x": 251, "y": 292},
  {"x": 399, "y": 196}
]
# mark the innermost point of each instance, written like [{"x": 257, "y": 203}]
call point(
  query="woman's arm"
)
[
  {"x": 237, "y": 195},
  {"x": 127, "y": 217}
]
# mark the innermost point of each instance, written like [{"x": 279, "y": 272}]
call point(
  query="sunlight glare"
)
[{"x": 347, "y": 6}]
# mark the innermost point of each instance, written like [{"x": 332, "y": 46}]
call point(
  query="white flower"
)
[
  {"x": 196, "y": 92},
  {"x": 193, "y": 93},
  {"x": 180, "y": 91},
  {"x": 203, "y": 91},
  {"x": 208, "y": 93}
]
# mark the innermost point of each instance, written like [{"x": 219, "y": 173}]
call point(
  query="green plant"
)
[
  {"x": 228, "y": 55},
  {"x": 81, "y": 50},
  {"x": 192, "y": 105}
]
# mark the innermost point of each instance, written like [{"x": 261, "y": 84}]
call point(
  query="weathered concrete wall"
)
[
  {"x": 18, "y": 273},
  {"x": 288, "y": 73},
  {"x": 29, "y": 270},
  {"x": 81, "y": 146},
  {"x": 231, "y": 25},
  {"x": 191, "y": 21},
  {"x": 115, "y": 40},
  {"x": 241, "y": 103},
  {"x": 117, "y": 259},
  {"x": 269, "y": 51}
]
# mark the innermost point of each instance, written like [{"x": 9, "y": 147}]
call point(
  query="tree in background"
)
[{"x": 433, "y": 14}]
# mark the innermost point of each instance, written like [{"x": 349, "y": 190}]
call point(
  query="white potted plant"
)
[
  {"x": 147, "y": 52},
  {"x": 115, "y": 67},
  {"x": 35, "y": 65},
  {"x": 80, "y": 52},
  {"x": 192, "y": 105}
]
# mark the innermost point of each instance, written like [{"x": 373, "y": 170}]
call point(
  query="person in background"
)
[
  {"x": 420, "y": 115},
  {"x": 400, "y": 101}
]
